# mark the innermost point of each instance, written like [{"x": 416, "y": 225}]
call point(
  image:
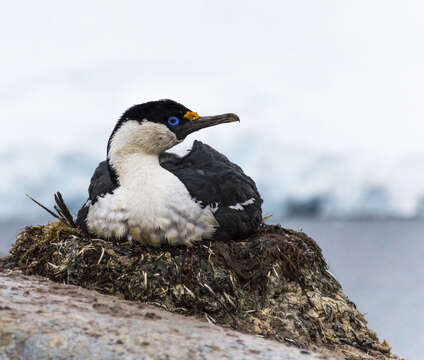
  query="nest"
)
[{"x": 275, "y": 283}]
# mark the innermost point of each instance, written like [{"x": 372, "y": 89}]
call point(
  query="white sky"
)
[{"x": 340, "y": 75}]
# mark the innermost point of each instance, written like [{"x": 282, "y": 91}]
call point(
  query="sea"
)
[{"x": 380, "y": 264}]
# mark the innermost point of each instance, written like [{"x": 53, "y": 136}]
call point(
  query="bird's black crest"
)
[{"x": 156, "y": 111}]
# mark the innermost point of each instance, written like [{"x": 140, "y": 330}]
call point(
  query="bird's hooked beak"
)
[{"x": 197, "y": 122}]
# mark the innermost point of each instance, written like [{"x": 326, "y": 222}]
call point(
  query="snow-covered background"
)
[
  {"x": 329, "y": 94},
  {"x": 294, "y": 182}
]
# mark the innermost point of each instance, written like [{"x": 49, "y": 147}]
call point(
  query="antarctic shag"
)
[{"x": 142, "y": 193}]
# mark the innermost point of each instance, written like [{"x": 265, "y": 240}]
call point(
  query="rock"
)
[
  {"x": 275, "y": 284},
  {"x": 40, "y": 319}
]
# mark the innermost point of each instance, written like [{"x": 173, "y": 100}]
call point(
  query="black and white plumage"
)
[{"x": 145, "y": 194}]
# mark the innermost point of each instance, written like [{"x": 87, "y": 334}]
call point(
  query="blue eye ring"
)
[{"x": 173, "y": 121}]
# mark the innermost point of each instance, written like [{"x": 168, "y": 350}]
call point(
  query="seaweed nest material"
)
[{"x": 275, "y": 283}]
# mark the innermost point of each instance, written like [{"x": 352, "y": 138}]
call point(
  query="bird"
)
[{"x": 144, "y": 193}]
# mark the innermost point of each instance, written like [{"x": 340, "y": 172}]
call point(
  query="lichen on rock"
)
[{"x": 275, "y": 283}]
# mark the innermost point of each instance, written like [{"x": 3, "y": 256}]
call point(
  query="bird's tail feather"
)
[{"x": 62, "y": 212}]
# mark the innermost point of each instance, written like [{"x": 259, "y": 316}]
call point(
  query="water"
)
[
  {"x": 8, "y": 231},
  {"x": 380, "y": 266},
  {"x": 378, "y": 263}
]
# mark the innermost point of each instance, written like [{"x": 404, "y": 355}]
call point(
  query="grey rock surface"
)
[{"x": 40, "y": 319}]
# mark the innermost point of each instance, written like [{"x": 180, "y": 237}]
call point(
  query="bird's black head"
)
[
  {"x": 166, "y": 112},
  {"x": 159, "y": 125}
]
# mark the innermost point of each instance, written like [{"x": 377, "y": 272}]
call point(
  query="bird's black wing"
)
[
  {"x": 214, "y": 180},
  {"x": 101, "y": 183}
]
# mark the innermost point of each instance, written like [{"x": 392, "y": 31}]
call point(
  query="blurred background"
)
[{"x": 330, "y": 99}]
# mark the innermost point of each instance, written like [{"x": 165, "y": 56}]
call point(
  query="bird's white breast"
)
[{"x": 151, "y": 205}]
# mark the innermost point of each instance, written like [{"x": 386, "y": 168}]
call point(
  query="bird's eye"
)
[{"x": 173, "y": 121}]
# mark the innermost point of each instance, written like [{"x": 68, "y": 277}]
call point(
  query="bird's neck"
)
[{"x": 137, "y": 166}]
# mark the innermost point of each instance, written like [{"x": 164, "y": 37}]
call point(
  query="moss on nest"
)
[{"x": 274, "y": 284}]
